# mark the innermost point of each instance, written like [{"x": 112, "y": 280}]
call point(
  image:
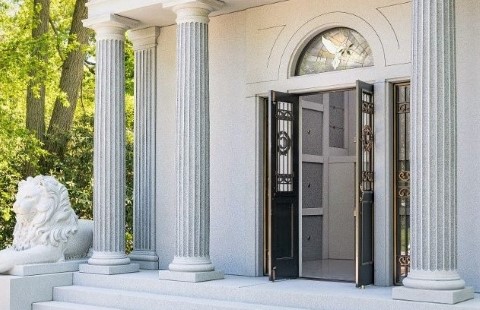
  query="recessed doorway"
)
[
  {"x": 319, "y": 185},
  {"x": 328, "y": 185}
]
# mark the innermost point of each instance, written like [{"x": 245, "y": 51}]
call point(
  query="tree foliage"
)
[{"x": 22, "y": 150}]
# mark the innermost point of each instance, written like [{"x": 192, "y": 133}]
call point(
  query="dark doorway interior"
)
[{"x": 328, "y": 185}]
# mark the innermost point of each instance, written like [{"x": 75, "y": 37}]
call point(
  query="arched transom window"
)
[{"x": 335, "y": 49}]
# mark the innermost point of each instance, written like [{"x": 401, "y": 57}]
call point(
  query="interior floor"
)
[{"x": 331, "y": 269}]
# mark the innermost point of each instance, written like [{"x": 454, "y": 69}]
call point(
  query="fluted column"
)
[
  {"x": 192, "y": 160},
  {"x": 109, "y": 148},
  {"x": 433, "y": 275},
  {"x": 145, "y": 47}
]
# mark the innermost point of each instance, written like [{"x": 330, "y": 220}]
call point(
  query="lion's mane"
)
[{"x": 54, "y": 220}]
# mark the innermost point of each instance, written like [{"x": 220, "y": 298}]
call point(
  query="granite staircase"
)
[{"x": 144, "y": 291}]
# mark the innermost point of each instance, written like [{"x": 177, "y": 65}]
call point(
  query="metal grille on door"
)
[{"x": 285, "y": 141}]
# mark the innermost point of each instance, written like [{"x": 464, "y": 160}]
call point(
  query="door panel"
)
[
  {"x": 312, "y": 226},
  {"x": 312, "y": 132},
  {"x": 312, "y": 185},
  {"x": 340, "y": 211},
  {"x": 283, "y": 185},
  {"x": 365, "y": 184}
]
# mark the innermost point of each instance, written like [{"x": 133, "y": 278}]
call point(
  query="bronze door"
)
[
  {"x": 283, "y": 111},
  {"x": 365, "y": 184}
]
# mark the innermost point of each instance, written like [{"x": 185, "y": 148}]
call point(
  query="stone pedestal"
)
[
  {"x": 434, "y": 296},
  {"x": 145, "y": 46},
  {"x": 433, "y": 276},
  {"x": 192, "y": 160},
  {"x": 46, "y": 268},
  {"x": 18, "y": 293},
  {"x": 109, "y": 146}
]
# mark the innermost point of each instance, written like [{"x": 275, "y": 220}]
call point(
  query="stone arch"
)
[{"x": 323, "y": 22}]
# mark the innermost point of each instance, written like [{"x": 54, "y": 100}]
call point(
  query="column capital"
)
[
  {"x": 144, "y": 38},
  {"x": 110, "y": 26},
  {"x": 193, "y": 10}
]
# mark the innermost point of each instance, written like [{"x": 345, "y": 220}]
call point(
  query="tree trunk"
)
[
  {"x": 70, "y": 83},
  {"x": 36, "y": 86}
]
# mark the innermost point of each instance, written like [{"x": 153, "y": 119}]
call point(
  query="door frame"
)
[{"x": 263, "y": 101}]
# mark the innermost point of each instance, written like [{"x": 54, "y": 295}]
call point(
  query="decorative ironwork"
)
[
  {"x": 403, "y": 108},
  {"x": 367, "y": 138},
  {"x": 284, "y": 129},
  {"x": 367, "y": 107},
  {"x": 367, "y": 176},
  {"x": 367, "y": 141},
  {"x": 402, "y": 181},
  {"x": 284, "y": 115},
  {"x": 404, "y": 260},
  {"x": 404, "y": 192},
  {"x": 282, "y": 198},
  {"x": 284, "y": 142},
  {"x": 404, "y": 176},
  {"x": 285, "y": 179}
]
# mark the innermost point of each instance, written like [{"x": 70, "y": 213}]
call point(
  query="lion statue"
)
[{"x": 47, "y": 229}]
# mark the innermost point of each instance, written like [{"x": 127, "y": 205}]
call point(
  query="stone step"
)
[
  {"x": 60, "y": 305},
  {"x": 303, "y": 294},
  {"x": 250, "y": 290},
  {"x": 134, "y": 300}
]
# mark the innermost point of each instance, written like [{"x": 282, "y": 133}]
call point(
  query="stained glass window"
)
[{"x": 335, "y": 49}]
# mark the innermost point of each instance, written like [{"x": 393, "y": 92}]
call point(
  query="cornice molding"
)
[
  {"x": 144, "y": 38},
  {"x": 193, "y": 10},
  {"x": 110, "y": 26}
]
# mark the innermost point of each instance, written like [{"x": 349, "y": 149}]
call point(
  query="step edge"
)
[{"x": 75, "y": 289}]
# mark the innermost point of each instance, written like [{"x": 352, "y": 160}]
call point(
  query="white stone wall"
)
[
  {"x": 468, "y": 143},
  {"x": 251, "y": 52},
  {"x": 166, "y": 175}
]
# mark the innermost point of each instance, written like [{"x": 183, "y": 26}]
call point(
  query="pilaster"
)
[
  {"x": 433, "y": 276},
  {"x": 109, "y": 148},
  {"x": 192, "y": 160},
  {"x": 145, "y": 47}
]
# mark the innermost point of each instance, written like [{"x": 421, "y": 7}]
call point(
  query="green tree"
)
[
  {"x": 55, "y": 67},
  {"x": 70, "y": 83},
  {"x": 39, "y": 57}
]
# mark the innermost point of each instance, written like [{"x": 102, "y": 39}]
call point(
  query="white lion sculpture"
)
[{"x": 47, "y": 229}]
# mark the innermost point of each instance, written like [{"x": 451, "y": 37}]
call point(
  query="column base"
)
[
  {"x": 434, "y": 280},
  {"x": 191, "y": 276},
  {"x": 191, "y": 264},
  {"x": 146, "y": 260},
  {"x": 108, "y": 259},
  {"x": 110, "y": 270},
  {"x": 434, "y": 296}
]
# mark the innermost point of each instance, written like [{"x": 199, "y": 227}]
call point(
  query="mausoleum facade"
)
[{"x": 328, "y": 140}]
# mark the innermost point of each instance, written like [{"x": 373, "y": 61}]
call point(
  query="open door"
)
[
  {"x": 283, "y": 175},
  {"x": 365, "y": 184}
]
